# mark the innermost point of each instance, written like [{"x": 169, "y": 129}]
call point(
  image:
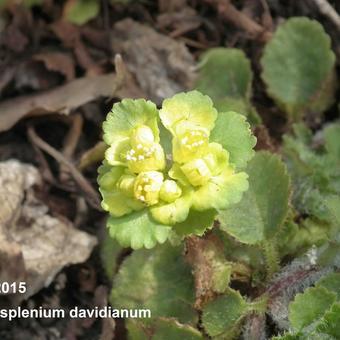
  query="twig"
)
[
  {"x": 70, "y": 144},
  {"x": 93, "y": 155},
  {"x": 121, "y": 73},
  {"x": 230, "y": 13},
  {"x": 90, "y": 194},
  {"x": 72, "y": 138},
  {"x": 267, "y": 20},
  {"x": 326, "y": 9}
]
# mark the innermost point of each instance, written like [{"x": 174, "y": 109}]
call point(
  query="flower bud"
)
[
  {"x": 142, "y": 135},
  {"x": 126, "y": 184},
  {"x": 197, "y": 172},
  {"x": 147, "y": 187},
  {"x": 170, "y": 191}
]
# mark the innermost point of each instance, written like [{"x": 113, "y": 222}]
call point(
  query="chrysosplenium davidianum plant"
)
[
  {"x": 171, "y": 173},
  {"x": 165, "y": 170}
]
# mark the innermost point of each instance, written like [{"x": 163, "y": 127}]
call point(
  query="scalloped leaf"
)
[
  {"x": 264, "y": 207},
  {"x": 137, "y": 230},
  {"x": 110, "y": 250},
  {"x": 332, "y": 202},
  {"x": 221, "y": 317},
  {"x": 158, "y": 280},
  {"x": 225, "y": 73},
  {"x": 331, "y": 282},
  {"x": 298, "y": 67},
  {"x": 315, "y": 174},
  {"x": 310, "y": 306},
  {"x": 161, "y": 329},
  {"x": 233, "y": 132},
  {"x": 80, "y": 12},
  {"x": 128, "y": 114},
  {"x": 330, "y": 323},
  {"x": 288, "y": 336},
  {"x": 196, "y": 223},
  {"x": 331, "y": 135}
]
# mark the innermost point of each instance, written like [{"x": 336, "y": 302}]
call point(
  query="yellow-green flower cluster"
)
[{"x": 137, "y": 174}]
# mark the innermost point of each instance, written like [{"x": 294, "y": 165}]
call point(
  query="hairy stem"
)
[
  {"x": 259, "y": 305},
  {"x": 272, "y": 258}
]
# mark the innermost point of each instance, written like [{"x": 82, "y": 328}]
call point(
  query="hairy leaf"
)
[
  {"x": 233, "y": 132},
  {"x": 225, "y": 73},
  {"x": 331, "y": 282},
  {"x": 330, "y": 323},
  {"x": 263, "y": 208},
  {"x": 315, "y": 173},
  {"x": 158, "y": 280},
  {"x": 196, "y": 223},
  {"x": 161, "y": 329},
  {"x": 310, "y": 306},
  {"x": 222, "y": 315},
  {"x": 137, "y": 230},
  {"x": 109, "y": 252},
  {"x": 298, "y": 67}
]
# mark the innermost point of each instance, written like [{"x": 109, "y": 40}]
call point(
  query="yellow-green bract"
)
[{"x": 149, "y": 192}]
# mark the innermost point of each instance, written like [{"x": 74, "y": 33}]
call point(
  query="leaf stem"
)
[
  {"x": 272, "y": 257},
  {"x": 259, "y": 305}
]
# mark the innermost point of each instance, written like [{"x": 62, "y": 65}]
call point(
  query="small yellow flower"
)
[
  {"x": 170, "y": 191},
  {"x": 147, "y": 187}
]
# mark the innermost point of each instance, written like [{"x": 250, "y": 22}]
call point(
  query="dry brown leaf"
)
[
  {"x": 45, "y": 243},
  {"x": 58, "y": 62},
  {"x": 161, "y": 65},
  {"x": 179, "y": 22},
  {"x": 62, "y": 99},
  {"x": 70, "y": 35},
  {"x": 206, "y": 257}
]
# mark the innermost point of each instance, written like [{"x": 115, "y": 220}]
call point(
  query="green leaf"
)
[
  {"x": 110, "y": 249},
  {"x": 127, "y": 115},
  {"x": 289, "y": 337},
  {"x": 161, "y": 329},
  {"x": 309, "y": 306},
  {"x": 331, "y": 282},
  {"x": 331, "y": 135},
  {"x": 80, "y": 12},
  {"x": 330, "y": 323},
  {"x": 188, "y": 109},
  {"x": 263, "y": 208},
  {"x": 298, "y": 67},
  {"x": 242, "y": 253},
  {"x": 315, "y": 173},
  {"x": 31, "y": 3},
  {"x": 233, "y": 132},
  {"x": 333, "y": 205},
  {"x": 223, "y": 315},
  {"x": 196, "y": 223},
  {"x": 158, "y": 280},
  {"x": 225, "y": 76},
  {"x": 137, "y": 230}
]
